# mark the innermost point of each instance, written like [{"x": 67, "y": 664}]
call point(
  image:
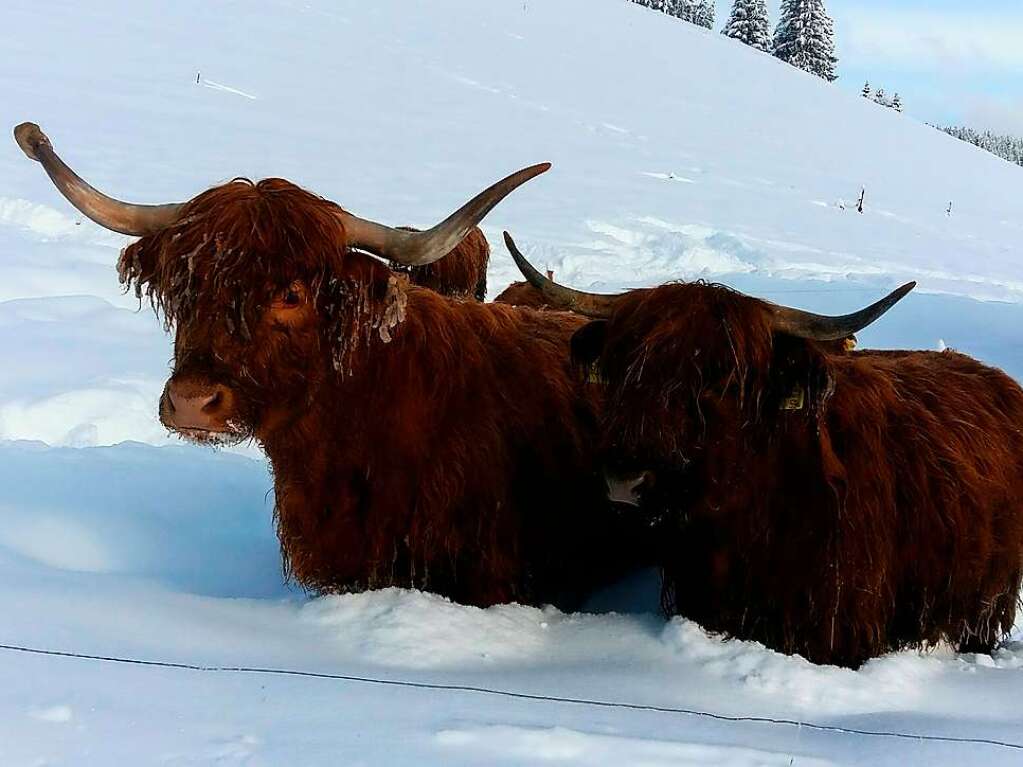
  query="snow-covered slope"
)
[{"x": 677, "y": 154}]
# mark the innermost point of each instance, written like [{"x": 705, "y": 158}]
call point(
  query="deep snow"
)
[{"x": 677, "y": 154}]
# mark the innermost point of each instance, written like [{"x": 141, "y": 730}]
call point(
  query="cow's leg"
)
[
  {"x": 977, "y": 645},
  {"x": 996, "y": 621}
]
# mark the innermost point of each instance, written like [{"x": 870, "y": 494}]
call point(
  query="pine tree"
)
[
  {"x": 805, "y": 37},
  {"x": 705, "y": 14},
  {"x": 880, "y": 97},
  {"x": 896, "y": 103},
  {"x": 685, "y": 10},
  {"x": 866, "y": 90},
  {"x": 748, "y": 24}
]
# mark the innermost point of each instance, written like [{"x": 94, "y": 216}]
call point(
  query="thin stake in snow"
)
[{"x": 863, "y": 196}]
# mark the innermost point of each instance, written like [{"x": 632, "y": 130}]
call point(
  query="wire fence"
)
[{"x": 495, "y": 692}]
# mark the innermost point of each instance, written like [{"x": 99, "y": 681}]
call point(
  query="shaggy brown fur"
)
[
  {"x": 416, "y": 440},
  {"x": 886, "y": 512},
  {"x": 522, "y": 294},
  {"x": 461, "y": 273}
]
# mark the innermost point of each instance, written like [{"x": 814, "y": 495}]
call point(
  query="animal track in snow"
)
[
  {"x": 54, "y": 714},
  {"x": 475, "y": 84},
  {"x": 669, "y": 177},
  {"x": 561, "y": 745},
  {"x": 226, "y": 88}
]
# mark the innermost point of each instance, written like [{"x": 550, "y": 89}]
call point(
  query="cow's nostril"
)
[{"x": 213, "y": 403}]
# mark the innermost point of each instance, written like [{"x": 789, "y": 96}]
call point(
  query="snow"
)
[{"x": 115, "y": 540}]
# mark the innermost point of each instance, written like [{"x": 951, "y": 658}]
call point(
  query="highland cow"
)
[
  {"x": 838, "y": 505},
  {"x": 416, "y": 440},
  {"x": 522, "y": 294},
  {"x": 462, "y": 273}
]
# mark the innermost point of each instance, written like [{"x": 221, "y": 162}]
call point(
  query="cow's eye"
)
[{"x": 292, "y": 296}]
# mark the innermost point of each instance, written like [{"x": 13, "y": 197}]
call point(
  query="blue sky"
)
[{"x": 959, "y": 62}]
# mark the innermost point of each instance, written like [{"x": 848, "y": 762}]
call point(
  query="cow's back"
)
[
  {"x": 462, "y": 273},
  {"x": 522, "y": 294}
]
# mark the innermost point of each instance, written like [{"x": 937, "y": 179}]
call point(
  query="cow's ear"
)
[
  {"x": 137, "y": 265},
  {"x": 588, "y": 342},
  {"x": 801, "y": 375}
]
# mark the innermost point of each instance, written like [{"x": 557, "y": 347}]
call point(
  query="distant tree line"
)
[
  {"x": 1007, "y": 147},
  {"x": 881, "y": 98},
  {"x": 700, "y": 12},
  {"x": 804, "y": 37}
]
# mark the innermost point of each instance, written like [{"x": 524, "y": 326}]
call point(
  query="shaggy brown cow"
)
[
  {"x": 523, "y": 294},
  {"x": 416, "y": 440},
  {"x": 834, "y": 505},
  {"x": 462, "y": 273}
]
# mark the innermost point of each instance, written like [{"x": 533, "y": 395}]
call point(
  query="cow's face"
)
[
  {"x": 691, "y": 372},
  {"x": 267, "y": 304},
  {"x": 267, "y": 285},
  {"x": 229, "y": 384},
  {"x": 697, "y": 375}
]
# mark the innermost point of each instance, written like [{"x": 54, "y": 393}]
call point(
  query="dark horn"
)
[
  {"x": 819, "y": 327},
  {"x": 123, "y": 217},
  {"x": 558, "y": 296},
  {"x": 418, "y": 248}
]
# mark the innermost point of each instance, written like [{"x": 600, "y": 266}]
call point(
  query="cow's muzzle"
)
[{"x": 201, "y": 411}]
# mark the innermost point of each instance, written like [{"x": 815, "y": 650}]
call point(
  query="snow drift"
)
[{"x": 677, "y": 154}]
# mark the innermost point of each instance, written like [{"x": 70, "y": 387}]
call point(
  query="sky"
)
[{"x": 957, "y": 62}]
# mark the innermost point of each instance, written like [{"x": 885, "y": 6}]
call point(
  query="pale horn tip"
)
[{"x": 30, "y": 137}]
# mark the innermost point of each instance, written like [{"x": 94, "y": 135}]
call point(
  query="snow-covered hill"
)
[{"x": 677, "y": 154}]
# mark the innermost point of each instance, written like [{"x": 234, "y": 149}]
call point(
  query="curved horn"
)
[
  {"x": 123, "y": 217},
  {"x": 819, "y": 327},
  {"x": 418, "y": 248},
  {"x": 591, "y": 304}
]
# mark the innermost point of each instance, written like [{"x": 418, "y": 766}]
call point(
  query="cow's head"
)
[
  {"x": 271, "y": 290},
  {"x": 688, "y": 365}
]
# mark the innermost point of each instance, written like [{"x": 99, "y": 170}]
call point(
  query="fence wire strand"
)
[{"x": 495, "y": 692}]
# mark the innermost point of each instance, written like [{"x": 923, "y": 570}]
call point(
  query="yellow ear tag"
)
[
  {"x": 796, "y": 400},
  {"x": 593, "y": 376}
]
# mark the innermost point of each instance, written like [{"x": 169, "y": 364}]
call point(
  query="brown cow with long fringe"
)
[
  {"x": 462, "y": 273},
  {"x": 833, "y": 504},
  {"x": 416, "y": 440}
]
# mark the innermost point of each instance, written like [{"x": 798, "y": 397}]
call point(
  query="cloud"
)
[
  {"x": 999, "y": 115},
  {"x": 922, "y": 40}
]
